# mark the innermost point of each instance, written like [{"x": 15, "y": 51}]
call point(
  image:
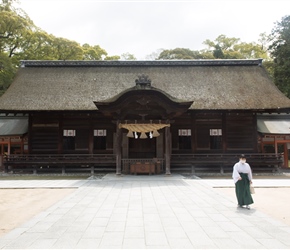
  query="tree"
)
[
  {"x": 93, "y": 52},
  {"x": 232, "y": 48},
  {"x": 38, "y": 46},
  {"x": 65, "y": 49},
  {"x": 154, "y": 55},
  {"x": 280, "y": 51},
  {"x": 14, "y": 29},
  {"x": 7, "y": 72},
  {"x": 7, "y": 5},
  {"x": 20, "y": 39},
  {"x": 179, "y": 53},
  {"x": 222, "y": 47},
  {"x": 110, "y": 58},
  {"x": 128, "y": 56}
]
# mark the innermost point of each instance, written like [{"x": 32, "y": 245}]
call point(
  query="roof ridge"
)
[{"x": 148, "y": 63}]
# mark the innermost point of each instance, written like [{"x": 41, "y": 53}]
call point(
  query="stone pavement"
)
[{"x": 146, "y": 212}]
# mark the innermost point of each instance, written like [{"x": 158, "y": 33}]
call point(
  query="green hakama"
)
[{"x": 243, "y": 193}]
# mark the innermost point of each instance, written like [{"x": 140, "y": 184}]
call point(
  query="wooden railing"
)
[
  {"x": 59, "y": 159},
  {"x": 178, "y": 161},
  {"x": 59, "y": 162},
  {"x": 220, "y": 162},
  {"x": 254, "y": 158}
]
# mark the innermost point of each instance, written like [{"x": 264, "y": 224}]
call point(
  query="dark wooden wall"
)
[
  {"x": 43, "y": 134},
  {"x": 239, "y": 132},
  {"x": 46, "y": 132}
]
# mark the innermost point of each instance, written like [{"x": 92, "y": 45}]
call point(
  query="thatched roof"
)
[{"x": 75, "y": 85}]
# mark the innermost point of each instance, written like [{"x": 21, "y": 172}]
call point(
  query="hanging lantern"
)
[
  {"x": 155, "y": 133},
  {"x": 143, "y": 135},
  {"x": 130, "y": 134}
]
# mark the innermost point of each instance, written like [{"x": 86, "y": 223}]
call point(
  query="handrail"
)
[
  {"x": 227, "y": 155},
  {"x": 253, "y": 158},
  {"x": 59, "y": 158},
  {"x": 111, "y": 158}
]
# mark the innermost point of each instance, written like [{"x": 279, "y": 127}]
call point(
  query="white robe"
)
[{"x": 241, "y": 168}]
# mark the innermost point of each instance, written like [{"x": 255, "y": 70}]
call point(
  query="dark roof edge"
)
[{"x": 201, "y": 62}]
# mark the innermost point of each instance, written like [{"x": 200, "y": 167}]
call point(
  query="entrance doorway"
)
[{"x": 142, "y": 148}]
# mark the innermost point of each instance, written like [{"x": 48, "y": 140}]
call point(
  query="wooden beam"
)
[{"x": 145, "y": 121}]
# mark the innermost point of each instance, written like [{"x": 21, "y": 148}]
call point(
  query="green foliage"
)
[
  {"x": 20, "y": 40},
  {"x": 14, "y": 29},
  {"x": 232, "y": 48},
  {"x": 221, "y": 48},
  {"x": 269, "y": 66},
  {"x": 6, "y": 5},
  {"x": 128, "y": 56},
  {"x": 38, "y": 46},
  {"x": 7, "y": 72},
  {"x": 65, "y": 49},
  {"x": 180, "y": 53},
  {"x": 280, "y": 51},
  {"x": 110, "y": 58},
  {"x": 93, "y": 52}
]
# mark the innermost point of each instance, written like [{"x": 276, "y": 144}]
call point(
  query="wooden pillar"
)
[
  {"x": 255, "y": 134},
  {"x": 22, "y": 145},
  {"x": 30, "y": 121},
  {"x": 60, "y": 134},
  {"x": 118, "y": 149},
  {"x": 159, "y": 145},
  {"x": 91, "y": 136},
  {"x": 276, "y": 145},
  {"x": 9, "y": 146},
  {"x": 125, "y": 146},
  {"x": 193, "y": 133},
  {"x": 224, "y": 132},
  {"x": 167, "y": 150},
  {"x": 285, "y": 155}
]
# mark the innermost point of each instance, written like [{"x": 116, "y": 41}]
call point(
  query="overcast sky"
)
[{"x": 143, "y": 27}]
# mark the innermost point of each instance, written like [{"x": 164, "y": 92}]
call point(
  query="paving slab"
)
[{"x": 143, "y": 212}]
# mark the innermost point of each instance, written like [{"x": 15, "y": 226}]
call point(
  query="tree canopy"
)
[
  {"x": 180, "y": 53},
  {"x": 21, "y": 39},
  {"x": 222, "y": 47},
  {"x": 280, "y": 51}
]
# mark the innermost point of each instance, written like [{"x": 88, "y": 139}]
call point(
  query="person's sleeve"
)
[
  {"x": 236, "y": 174},
  {"x": 250, "y": 173}
]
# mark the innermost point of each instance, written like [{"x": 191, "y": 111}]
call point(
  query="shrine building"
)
[{"x": 143, "y": 117}]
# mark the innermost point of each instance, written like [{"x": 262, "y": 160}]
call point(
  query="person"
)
[{"x": 242, "y": 175}]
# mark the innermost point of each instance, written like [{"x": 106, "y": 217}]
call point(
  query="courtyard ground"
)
[
  {"x": 19, "y": 205},
  {"x": 56, "y": 214}
]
